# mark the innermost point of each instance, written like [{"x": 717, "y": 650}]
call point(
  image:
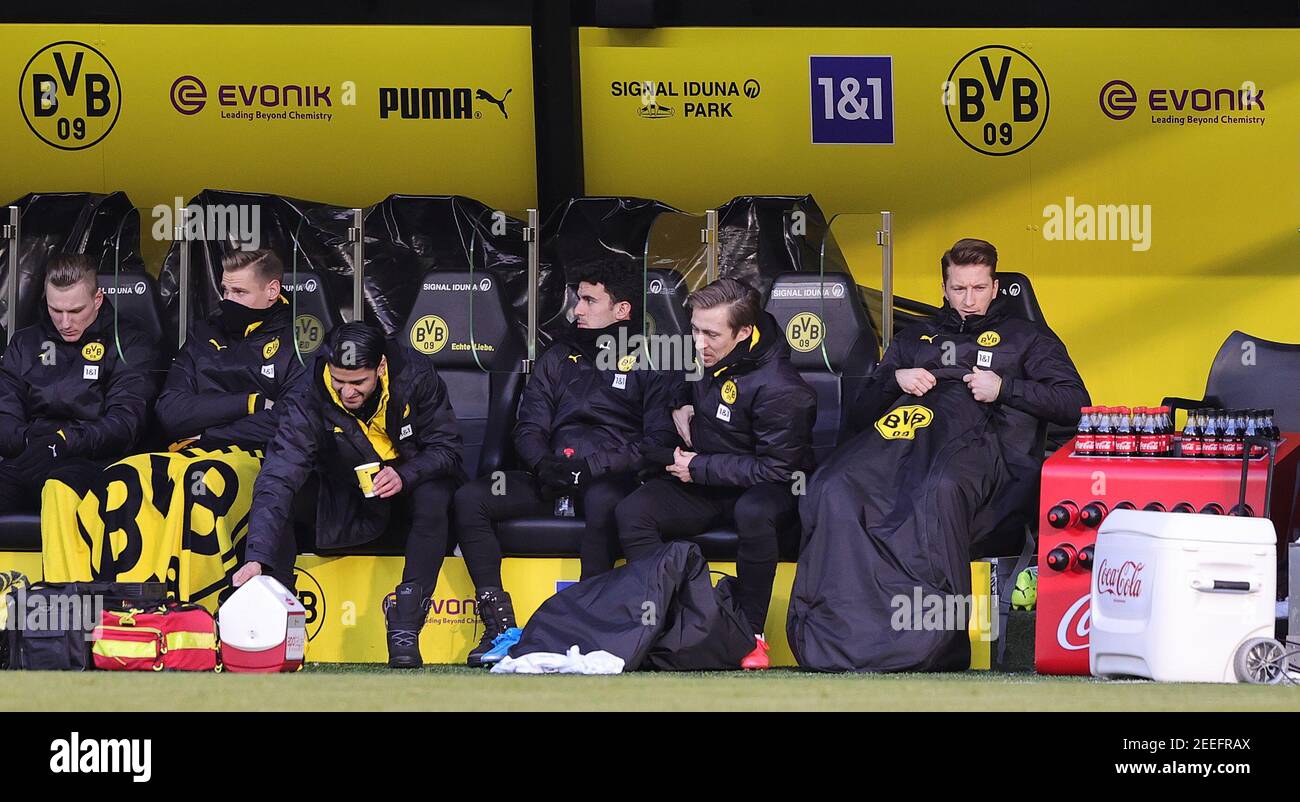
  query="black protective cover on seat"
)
[
  {"x": 590, "y": 229},
  {"x": 662, "y": 613},
  {"x": 405, "y": 237},
  {"x": 314, "y": 312},
  {"x": 107, "y": 227},
  {"x": 762, "y": 236}
]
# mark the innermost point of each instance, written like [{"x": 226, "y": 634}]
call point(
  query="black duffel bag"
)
[{"x": 49, "y": 625}]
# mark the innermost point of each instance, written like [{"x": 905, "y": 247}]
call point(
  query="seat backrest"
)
[
  {"x": 314, "y": 313},
  {"x": 1019, "y": 293},
  {"x": 665, "y": 302},
  {"x": 832, "y": 343},
  {"x": 1254, "y": 373},
  {"x": 461, "y": 322},
  {"x": 134, "y": 294}
]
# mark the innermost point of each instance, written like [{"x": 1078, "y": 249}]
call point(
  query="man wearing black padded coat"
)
[
  {"x": 222, "y": 388},
  {"x": 586, "y": 398},
  {"x": 75, "y": 389},
  {"x": 367, "y": 405},
  {"x": 747, "y": 423}
]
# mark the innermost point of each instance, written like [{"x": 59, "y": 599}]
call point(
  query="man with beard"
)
[
  {"x": 587, "y": 418},
  {"x": 375, "y": 425}
]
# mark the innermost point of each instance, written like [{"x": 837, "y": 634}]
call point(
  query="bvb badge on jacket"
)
[
  {"x": 627, "y": 362},
  {"x": 901, "y": 423},
  {"x": 270, "y": 349},
  {"x": 93, "y": 352},
  {"x": 729, "y": 391},
  {"x": 989, "y": 339}
]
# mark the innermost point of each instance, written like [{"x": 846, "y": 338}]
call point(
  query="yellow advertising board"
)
[
  {"x": 345, "y": 623},
  {"x": 1147, "y": 181},
  {"x": 338, "y": 114}
]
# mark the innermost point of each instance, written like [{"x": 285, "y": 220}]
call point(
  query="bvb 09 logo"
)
[
  {"x": 996, "y": 99},
  {"x": 69, "y": 95}
]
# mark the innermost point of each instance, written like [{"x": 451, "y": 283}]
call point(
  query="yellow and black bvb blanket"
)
[{"x": 171, "y": 517}]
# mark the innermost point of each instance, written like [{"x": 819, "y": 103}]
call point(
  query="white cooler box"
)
[{"x": 1174, "y": 595}]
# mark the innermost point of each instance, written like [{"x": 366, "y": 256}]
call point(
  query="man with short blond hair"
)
[{"x": 75, "y": 388}]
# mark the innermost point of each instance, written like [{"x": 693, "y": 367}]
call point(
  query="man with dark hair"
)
[
  {"x": 748, "y": 426},
  {"x": 587, "y": 417},
  {"x": 75, "y": 388},
  {"x": 379, "y": 432},
  {"x": 234, "y": 367}
]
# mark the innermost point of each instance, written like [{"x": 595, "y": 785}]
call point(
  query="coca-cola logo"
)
[
  {"x": 1072, "y": 632},
  {"x": 1124, "y": 582}
]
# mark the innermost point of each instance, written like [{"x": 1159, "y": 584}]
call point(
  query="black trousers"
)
[
  {"x": 428, "y": 505},
  {"x": 663, "y": 509},
  {"x": 478, "y": 509},
  {"x": 22, "y": 478}
]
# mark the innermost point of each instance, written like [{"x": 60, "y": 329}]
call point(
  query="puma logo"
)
[
  {"x": 575, "y": 474},
  {"x": 574, "y": 357},
  {"x": 54, "y": 453},
  {"x": 929, "y": 337},
  {"x": 500, "y": 104},
  {"x": 218, "y": 345}
]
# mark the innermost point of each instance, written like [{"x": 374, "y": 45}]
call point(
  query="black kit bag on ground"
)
[{"x": 49, "y": 624}]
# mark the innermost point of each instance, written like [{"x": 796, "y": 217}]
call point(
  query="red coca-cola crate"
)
[{"x": 1071, "y": 482}]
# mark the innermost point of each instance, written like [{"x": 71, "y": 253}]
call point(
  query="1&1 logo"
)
[
  {"x": 996, "y": 99},
  {"x": 69, "y": 95},
  {"x": 852, "y": 100}
]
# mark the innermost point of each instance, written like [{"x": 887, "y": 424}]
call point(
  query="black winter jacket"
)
[
  {"x": 754, "y": 414},
  {"x": 96, "y": 392}
]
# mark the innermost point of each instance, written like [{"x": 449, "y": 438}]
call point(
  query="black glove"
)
[
  {"x": 571, "y": 473},
  {"x": 552, "y": 471},
  {"x": 47, "y": 446}
]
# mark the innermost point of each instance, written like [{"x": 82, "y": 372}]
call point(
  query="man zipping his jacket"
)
[
  {"x": 747, "y": 423},
  {"x": 586, "y": 399},
  {"x": 234, "y": 367},
  {"x": 75, "y": 389},
  {"x": 377, "y": 428},
  {"x": 1017, "y": 366}
]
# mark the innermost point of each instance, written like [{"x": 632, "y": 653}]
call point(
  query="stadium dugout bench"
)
[{"x": 342, "y": 591}]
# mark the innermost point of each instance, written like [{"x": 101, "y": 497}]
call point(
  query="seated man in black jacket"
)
[
  {"x": 586, "y": 418},
  {"x": 1019, "y": 367},
  {"x": 75, "y": 389},
  {"x": 235, "y": 366},
  {"x": 748, "y": 424},
  {"x": 379, "y": 432}
]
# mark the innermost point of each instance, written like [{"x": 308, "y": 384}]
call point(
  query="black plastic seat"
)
[
  {"x": 548, "y": 536},
  {"x": 20, "y": 532},
  {"x": 1268, "y": 379},
  {"x": 481, "y": 366},
  {"x": 847, "y": 353},
  {"x": 134, "y": 296}
]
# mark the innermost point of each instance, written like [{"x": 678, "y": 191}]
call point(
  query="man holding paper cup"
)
[{"x": 378, "y": 430}]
